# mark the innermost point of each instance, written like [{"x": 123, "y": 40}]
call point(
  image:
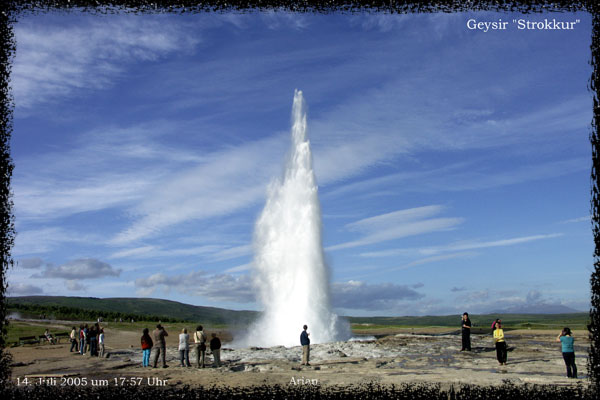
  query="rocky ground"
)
[{"x": 394, "y": 357}]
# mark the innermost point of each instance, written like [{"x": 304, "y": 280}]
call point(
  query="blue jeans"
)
[
  {"x": 184, "y": 355},
  {"x": 146, "y": 359}
]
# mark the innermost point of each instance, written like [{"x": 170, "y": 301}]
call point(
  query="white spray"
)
[{"x": 290, "y": 270}]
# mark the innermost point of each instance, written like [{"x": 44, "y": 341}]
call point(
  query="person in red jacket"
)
[{"x": 146, "y": 348}]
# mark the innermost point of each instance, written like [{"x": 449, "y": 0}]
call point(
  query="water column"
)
[{"x": 290, "y": 272}]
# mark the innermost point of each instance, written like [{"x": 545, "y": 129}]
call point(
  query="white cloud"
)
[
  {"x": 44, "y": 200},
  {"x": 428, "y": 260},
  {"x": 59, "y": 60},
  {"x": 397, "y": 225},
  {"x": 229, "y": 181},
  {"x": 394, "y": 218},
  {"x": 74, "y": 285},
  {"x": 86, "y": 268},
  {"x": 464, "y": 176},
  {"x": 460, "y": 246},
  {"x": 155, "y": 252},
  {"x": 364, "y": 296},
  {"x": 137, "y": 252},
  {"x": 481, "y": 177},
  {"x": 23, "y": 289},
  {"x": 221, "y": 287},
  {"x": 580, "y": 219},
  {"x": 43, "y": 240},
  {"x": 232, "y": 253},
  {"x": 31, "y": 263},
  {"x": 240, "y": 268},
  {"x": 276, "y": 19}
]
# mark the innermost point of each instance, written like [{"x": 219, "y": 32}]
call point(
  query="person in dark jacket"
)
[
  {"x": 305, "y": 342},
  {"x": 466, "y": 332},
  {"x": 215, "y": 348},
  {"x": 93, "y": 340}
]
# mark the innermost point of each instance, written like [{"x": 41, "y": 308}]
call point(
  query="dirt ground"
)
[{"x": 396, "y": 356}]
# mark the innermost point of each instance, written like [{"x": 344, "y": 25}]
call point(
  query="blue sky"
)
[{"x": 453, "y": 164}]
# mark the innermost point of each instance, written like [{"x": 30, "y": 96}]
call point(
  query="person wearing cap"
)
[{"x": 466, "y": 332}]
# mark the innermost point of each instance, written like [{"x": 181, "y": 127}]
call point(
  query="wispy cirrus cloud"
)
[
  {"x": 398, "y": 224},
  {"x": 462, "y": 176},
  {"x": 231, "y": 181},
  {"x": 433, "y": 259},
  {"x": 60, "y": 60},
  {"x": 155, "y": 251},
  {"x": 240, "y": 268},
  {"x": 45, "y": 239},
  {"x": 580, "y": 219},
  {"x": 461, "y": 246}
]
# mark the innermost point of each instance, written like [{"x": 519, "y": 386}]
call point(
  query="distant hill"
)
[
  {"x": 143, "y": 306},
  {"x": 538, "y": 309},
  {"x": 213, "y": 315},
  {"x": 482, "y": 322}
]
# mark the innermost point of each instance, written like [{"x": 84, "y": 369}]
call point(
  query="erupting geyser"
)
[{"x": 290, "y": 270}]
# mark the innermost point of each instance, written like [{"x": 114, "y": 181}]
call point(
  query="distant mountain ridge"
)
[
  {"x": 214, "y": 315},
  {"x": 537, "y": 309},
  {"x": 144, "y": 306}
]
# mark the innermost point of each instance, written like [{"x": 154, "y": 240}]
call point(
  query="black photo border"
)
[{"x": 11, "y": 10}]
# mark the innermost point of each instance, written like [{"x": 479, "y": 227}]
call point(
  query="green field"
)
[
  {"x": 480, "y": 322},
  {"x": 229, "y": 318},
  {"x": 17, "y": 329}
]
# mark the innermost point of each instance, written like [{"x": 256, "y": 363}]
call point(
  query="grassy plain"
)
[
  {"x": 359, "y": 325},
  {"x": 481, "y": 323}
]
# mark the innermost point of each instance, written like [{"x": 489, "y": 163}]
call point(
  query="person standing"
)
[
  {"x": 215, "y": 348},
  {"x": 93, "y": 338},
  {"x": 86, "y": 332},
  {"x": 73, "y": 337},
  {"x": 81, "y": 339},
  {"x": 146, "y": 347},
  {"x": 184, "y": 348},
  {"x": 305, "y": 342},
  {"x": 466, "y": 332},
  {"x": 101, "y": 342},
  {"x": 500, "y": 343},
  {"x": 161, "y": 345},
  {"x": 566, "y": 339},
  {"x": 200, "y": 340}
]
